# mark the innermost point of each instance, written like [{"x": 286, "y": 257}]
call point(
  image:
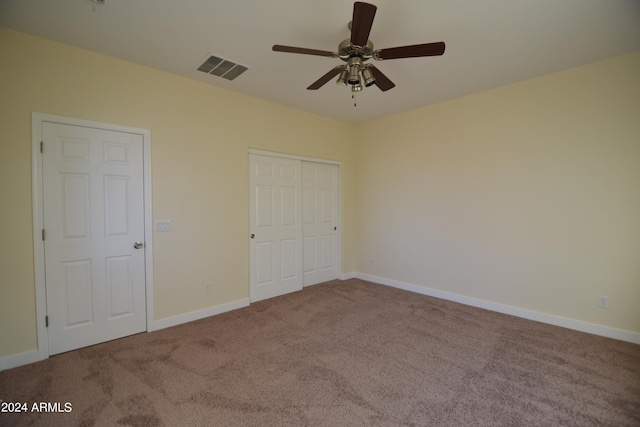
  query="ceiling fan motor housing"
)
[{"x": 347, "y": 50}]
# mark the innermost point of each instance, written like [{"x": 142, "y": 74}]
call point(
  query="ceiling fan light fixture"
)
[
  {"x": 354, "y": 75},
  {"x": 354, "y": 70},
  {"x": 356, "y": 87},
  {"x": 368, "y": 77},
  {"x": 342, "y": 79}
]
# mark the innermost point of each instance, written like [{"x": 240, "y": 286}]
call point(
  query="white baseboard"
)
[
  {"x": 19, "y": 359},
  {"x": 197, "y": 315},
  {"x": 26, "y": 358},
  {"x": 591, "y": 328}
]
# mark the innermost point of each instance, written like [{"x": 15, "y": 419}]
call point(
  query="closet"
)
[{"x": 294, "y": 224}]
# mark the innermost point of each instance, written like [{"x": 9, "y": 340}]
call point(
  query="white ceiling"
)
[{"x": 489, "y": 43}]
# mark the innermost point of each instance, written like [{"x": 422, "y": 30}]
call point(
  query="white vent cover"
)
[{"x": 222, "y": 67}]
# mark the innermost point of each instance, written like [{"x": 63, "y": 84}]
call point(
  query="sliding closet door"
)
[
  {"x": 275, "y": 214},
  {"x": 319, "y": 222},
  {"x": 293, "y": 232}
]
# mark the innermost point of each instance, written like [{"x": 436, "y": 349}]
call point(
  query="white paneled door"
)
[
  {"x": 275, "y": 226},
  {"x": 93, "y": 203},
  {"x": 319, "y": 222},
  {"x": 287, "y": 227}
]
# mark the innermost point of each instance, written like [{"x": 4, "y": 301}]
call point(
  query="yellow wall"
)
[
  {"x": 200, "y": 137},
  {"x": 527, "y": 195}
]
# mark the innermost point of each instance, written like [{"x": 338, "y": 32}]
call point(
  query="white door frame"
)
[
  {"x": 309, "y": 159},
  {"x": 37, "y": 119}
]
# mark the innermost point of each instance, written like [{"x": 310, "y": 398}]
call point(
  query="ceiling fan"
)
[{"x": 358, "y": 49}]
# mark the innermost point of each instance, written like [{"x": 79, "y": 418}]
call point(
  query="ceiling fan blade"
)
[
  {"x": 304, "y": 51},
  {"x": 324, "y": 79},
  {"x": 413, "y": 51},
  {"x": 382, "y": 81},
  {"x": 363, "y": 14}
]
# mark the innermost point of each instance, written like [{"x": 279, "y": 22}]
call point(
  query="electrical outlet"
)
[
  {"x": 603, "y": 301},
  {"x": 207, "y": 288}
]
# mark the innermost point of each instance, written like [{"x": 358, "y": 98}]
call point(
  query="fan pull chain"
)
[{"x": 353, "y": 96}]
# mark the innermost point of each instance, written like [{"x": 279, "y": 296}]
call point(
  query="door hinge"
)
[
  {"x": 42, "y": 146},
  {"x": 43, "y": 234},
  {"x": 46, "y": 321}
]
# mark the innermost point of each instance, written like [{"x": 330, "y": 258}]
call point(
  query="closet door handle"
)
[{"x": 253, "y": 235}]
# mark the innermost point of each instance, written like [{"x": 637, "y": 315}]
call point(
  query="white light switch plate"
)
[{"x": 164, "y": 225}]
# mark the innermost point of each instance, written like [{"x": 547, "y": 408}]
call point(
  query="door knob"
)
[
  {"x": 138, "y": 245},
  {"x": 253, "y": 235}
]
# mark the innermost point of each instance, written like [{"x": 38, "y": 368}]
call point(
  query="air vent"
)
[{"x": 222, "y": 68}]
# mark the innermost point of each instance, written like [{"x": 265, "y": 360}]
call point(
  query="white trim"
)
[
  {"x": 38, "y": 219},
  {"x": 200, "y": 314},
  {"x": 21, "y": 359},
  {"x": 591, "y": 328},
  {"x": 293, "y": 157},
  {"x": 347, "y": 276},
  {"x": 38, "y": 244},
  {"x": 148, "y": 227}
]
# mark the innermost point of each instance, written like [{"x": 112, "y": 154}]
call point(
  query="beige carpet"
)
[{"x": 340, "y": 354}]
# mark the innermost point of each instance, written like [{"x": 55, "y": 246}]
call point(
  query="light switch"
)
[{"x": 164, "y": 225}]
